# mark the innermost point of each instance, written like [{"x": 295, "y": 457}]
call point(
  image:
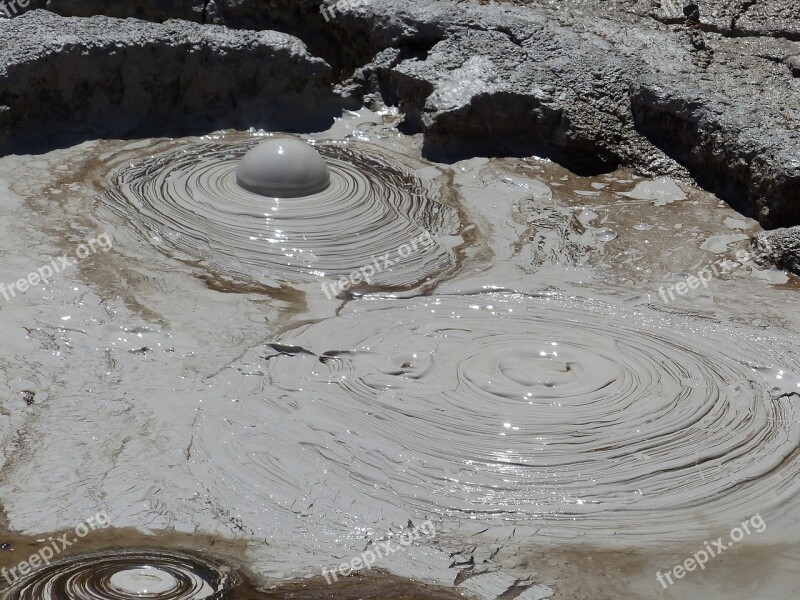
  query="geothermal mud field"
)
[{"x": 495, "y": 326}]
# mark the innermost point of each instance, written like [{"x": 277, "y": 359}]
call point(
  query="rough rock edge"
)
[
  {"x": 582, "y": 98},
  {"x": 198, "y": 11},
  {"x": 721, "y": 149},
  {"x": 730, "y": 18},
  {"x": 780, "y": 247},
  {"x": 158, "y": 11},
  {"x": 605, "y": 101},
  {"x": 102, "y": 76}
]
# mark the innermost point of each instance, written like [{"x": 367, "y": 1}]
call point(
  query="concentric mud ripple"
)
[
  {"x": 542, "y": 408},
  {"x": 187, "y": 202},
  {"x": 127, "y": 574}
]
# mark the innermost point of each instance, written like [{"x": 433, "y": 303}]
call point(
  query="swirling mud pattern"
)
[
  {"x": 128, "y": 574},
  {"x": 547, "y": 411},
  {"x": 187, "y": 203}
]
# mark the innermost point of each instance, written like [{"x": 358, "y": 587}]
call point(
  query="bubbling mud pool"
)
[
  {"x": 549, "y": 436},
  {"x": 557, "y": 414},
  {"x": 188, "y": 203},
  {"x": 125, "y": 564},
  {"x": 128, "y": 574}
]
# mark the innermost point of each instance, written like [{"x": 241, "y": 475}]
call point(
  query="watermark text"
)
[
  {"x": 44, "y": 273},
  {"x": 56, "y": 545},
  {"x": 712, "y": 549},
  {"x": 378, "y": 265},
  {"x": 367, "y": 558}
]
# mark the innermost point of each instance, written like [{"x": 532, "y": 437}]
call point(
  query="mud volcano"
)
[
  {"x": 566, "y": 362},
  {"x": 284, "y": 211},
  {"x": 128, "y": 574},
  {"x": 545, "y": 410}
]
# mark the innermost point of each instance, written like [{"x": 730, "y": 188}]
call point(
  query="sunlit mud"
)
[
  {"x": 533, "y": 410},
  {"x": 127, "y": 574},
  {"x": 122, "y": 563},
  {"x": 187, "y": 203},
  {"x": 526, "y": 381}
]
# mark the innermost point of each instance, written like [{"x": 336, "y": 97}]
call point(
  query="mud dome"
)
[{"x": 187, "y": 202}]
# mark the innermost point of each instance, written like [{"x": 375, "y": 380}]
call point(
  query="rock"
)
[
  {"x": 774, "y": 18},
  {"x": 107, "y": 75},
  {"x": 592, "y": 84},
  {"x": 793, "y": 62},
  {"x": 151, "y": 10},
  {"x": 739, "y": 18},
  {"x": 691, "y": 11},
  {"x": 780, "y": 247},
  {"x": 247, "y": 14},
  {"x": 592, "y": 93},
  {"x": 753, "y": 164},
  {"x": 479, "y": 92}
]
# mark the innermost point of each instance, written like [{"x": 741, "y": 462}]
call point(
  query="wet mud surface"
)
[
  {"x": 205, "y": 567},
  {"x": 188, "y": 202},
  {"x": 534, "y": 383}
]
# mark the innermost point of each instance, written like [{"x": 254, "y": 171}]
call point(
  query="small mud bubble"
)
[
  {"x": 283, "y": 168},
  {"x": 120, "y": 575},
  {"x": 604, "y": 234}
]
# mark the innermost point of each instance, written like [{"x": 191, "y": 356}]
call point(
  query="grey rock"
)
[
  {"x": 593, "y": 92},
  {"x": 150, "y": 10},
  {"x": 780, "y": 247},
  {"x": 479, "y": 92},
  {"x": 740, "y": 18},
  {"x": 246, "y": 14},
  {"x": 665, "y": 86},
  {"x": 101, "y": 75},
  {"x": 753, "y": 164},
  {"x": 793, "y": 62},
  {"x": 776, "y": 18}
]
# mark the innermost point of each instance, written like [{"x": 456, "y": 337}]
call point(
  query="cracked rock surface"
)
[
  {"x": 704, "y": 89},
  {"x": 601, "y": 89},
  {"x": 759, "y": 18},
  {"x": 780, "y": 247},
  {"x": 151, "y": 10},
  {"x": 106, "y": 75}
]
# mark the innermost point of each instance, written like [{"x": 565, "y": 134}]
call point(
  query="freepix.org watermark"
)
[
  {"x": 342, "y": 5},
  {"x": 44, "y": 273},
  {"x": 368, "y": 558},
  {"x": 11, "y": 8},
  {"x": 378, "y": 265},
  {"x": 46, "y": 553},
  {"x": 719, "y": 267},
  {"x": 711, "y": 550}
]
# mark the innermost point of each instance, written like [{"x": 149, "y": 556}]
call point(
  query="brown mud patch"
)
[{"x": 15, "y": 548}]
